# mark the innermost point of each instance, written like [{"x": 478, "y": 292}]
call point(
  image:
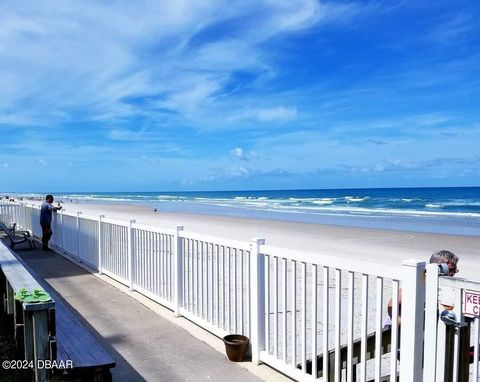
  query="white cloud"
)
[
  {"x": 273, "y": 114},
  {"x": 121, "y": 134},
  {"x": 241, "y": 154},
  {"x": 227, "y": 174},
  {"x": 278, "y": 114},
  {"x": 88, "y": 59},
  {"x": 453, "y": 29}
]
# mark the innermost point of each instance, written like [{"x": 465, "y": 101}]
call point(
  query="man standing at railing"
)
[{"x": 46, "y": 220}]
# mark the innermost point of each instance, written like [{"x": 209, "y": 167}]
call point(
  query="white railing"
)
[
  {"x": 215, "y": 283},
  {"x": 452, "y": 350},
  {"x": 315, "y": 304},
  {"x": 10, "y": 213},
  {"x": 294, "y": 306},
  {"x": 153, "y": 263}
]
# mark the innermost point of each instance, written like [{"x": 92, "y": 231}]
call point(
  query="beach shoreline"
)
[
  {"x": 454, "y": 211},
  {"x": 374, "y": 245}
]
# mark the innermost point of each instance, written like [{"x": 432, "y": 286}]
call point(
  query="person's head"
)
[
  {"x": 49, "y": 198},
  {"x": 448, "y": 258}
]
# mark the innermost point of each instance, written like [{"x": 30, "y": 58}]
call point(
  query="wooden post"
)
[
  {"x": 131, "y": 257},
  {"x": 41, "y": 340},
  {"x": 178, "y": 272},
  {"x": 413, "y": 313},
  {"x": 257, "y": 299},
  {"x": 100, "y": 242},
  {"x": 28, "y": 335},
  {"x": 3, "y": 293},
  {"x": 10, "y": 298},
  {"x": 18, "y": 325}
]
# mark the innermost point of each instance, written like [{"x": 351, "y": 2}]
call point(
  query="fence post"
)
[
  {"x": 78, "y": 233},
  {"x": 257, "y": 299},
  {"x": 131, "y": 258},
  {"x": 100, "y": 238},
  {"x": 62, "y": 230},
  {"x": 33, "y": 226},
  {"x": 431, "y": 323},
  {"x": 413, "y": 313},
  {"x": 24, "y": 208},
  {"x": 178, "y": 272}
]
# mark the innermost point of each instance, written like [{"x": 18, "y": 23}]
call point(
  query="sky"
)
[{"x": 238, "y": 95}]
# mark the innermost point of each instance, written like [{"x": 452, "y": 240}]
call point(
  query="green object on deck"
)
[
  {"x": 22, "y": 294},
  {"x": 37, "y": 295}
]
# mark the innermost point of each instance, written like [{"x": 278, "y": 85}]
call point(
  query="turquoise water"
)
[{"x": 453, "y": 210}]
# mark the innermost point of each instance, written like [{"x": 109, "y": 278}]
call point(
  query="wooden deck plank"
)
[
  {"x": 74, "y": 341},
  {"x": 18, "y": 277}
]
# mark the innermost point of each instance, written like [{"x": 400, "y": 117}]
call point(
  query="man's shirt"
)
[{"x": 46, "y": 213}]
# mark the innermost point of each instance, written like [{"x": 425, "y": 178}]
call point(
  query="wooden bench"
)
[
  {"x": 75, "y": 350},
  {"x": 17, "y": 237}
]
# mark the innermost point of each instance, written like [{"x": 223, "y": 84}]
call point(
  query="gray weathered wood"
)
[
  {"x": 40, "y": 343},
  {"x": 73, "y": 341},
  {"x": 10, "y": 298},
  {"x": 386, "y": 348},
  {"x": 18, "y": 277},
  {"x": 28, "y": 339}
]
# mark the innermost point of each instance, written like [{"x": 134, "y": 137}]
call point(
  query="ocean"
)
[{"x": 453, "y": 210}]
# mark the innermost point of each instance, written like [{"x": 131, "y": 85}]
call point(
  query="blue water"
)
[{"x": 453, "y": 210}]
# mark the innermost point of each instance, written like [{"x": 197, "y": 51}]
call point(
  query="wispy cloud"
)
[
  {"x": 219, "y": 91},
  {"x": 452, "y": 28},
  {"x": 244, "y": 155},
  {"x": 54, "y": 58},
  {"x": 125, "y": 134}
]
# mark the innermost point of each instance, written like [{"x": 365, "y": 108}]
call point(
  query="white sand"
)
[{"x": 379, "y": 246}]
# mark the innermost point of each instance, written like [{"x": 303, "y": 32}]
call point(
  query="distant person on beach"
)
[
  {"x": 46, "y": 220},
  {"x": 440, "y": 257}
]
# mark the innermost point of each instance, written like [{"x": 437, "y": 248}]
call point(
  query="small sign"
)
[{"x": 471, "y": 303}]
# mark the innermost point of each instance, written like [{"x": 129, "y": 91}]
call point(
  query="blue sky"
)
[{"x": 214, "y": 95}]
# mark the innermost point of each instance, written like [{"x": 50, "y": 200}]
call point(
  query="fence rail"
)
[{"x": 305, "y": 313}]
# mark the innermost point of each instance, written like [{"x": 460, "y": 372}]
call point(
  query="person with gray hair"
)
[
  {"x": 439, "y": 257},
  {"x": 446, "y": 257}
]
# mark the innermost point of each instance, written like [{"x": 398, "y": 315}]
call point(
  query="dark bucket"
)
[{"x": 236, "y": 346}]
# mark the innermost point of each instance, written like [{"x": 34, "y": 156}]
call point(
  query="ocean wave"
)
[
  {"x": 171, "y": 197},
  {"x": 358, "y": 210},
  {"x": 356, "y": 199},
  {"x": 103, "y": 198},
  {"x": 431, "y": 205},
  {"x": 324, "y": 201}
]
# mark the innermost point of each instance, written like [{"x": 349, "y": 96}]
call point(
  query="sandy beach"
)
[
  {"x": 378, "y": 246},
  {"x": 374, "y": 245}
]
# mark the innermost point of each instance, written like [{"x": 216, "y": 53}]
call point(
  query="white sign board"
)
[{"x": 471, "y": 303}]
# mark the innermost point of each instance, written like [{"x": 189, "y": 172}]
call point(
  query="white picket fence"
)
[{"x": 294, "y": 306}]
